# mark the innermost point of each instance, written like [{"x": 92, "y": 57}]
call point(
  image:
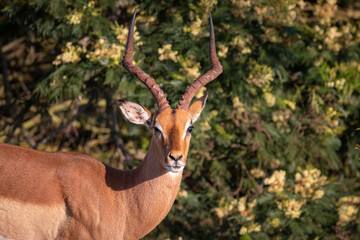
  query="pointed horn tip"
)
[
  {"x": 210, "y": 18},
  {"x": 133, "y": 17},
  {"x": 212, "y": 34},
  {"x": 135, "y": 10}
]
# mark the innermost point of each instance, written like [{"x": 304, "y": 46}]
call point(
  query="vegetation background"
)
[{"x": 274, "y": 155}]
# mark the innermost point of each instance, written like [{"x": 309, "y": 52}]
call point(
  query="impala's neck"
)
[{"x": 150, "y": 192}]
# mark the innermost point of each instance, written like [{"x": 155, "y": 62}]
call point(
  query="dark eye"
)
[
  {"x": 156, "y": 130},
  {"x": 190, "y": 129}
]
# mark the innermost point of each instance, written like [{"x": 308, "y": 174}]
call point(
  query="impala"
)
[{"x": 73, "y": 196}]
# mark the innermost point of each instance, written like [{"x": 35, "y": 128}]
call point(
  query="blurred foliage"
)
[{"x": 274, "y": 154}]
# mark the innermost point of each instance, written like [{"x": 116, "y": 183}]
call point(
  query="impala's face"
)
[
  {"x": 171, "y": 130},
  {"x": 172, "y": 133}
]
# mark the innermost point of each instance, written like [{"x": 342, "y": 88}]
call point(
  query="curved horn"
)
[
  {"x": 145, "y": 78},
  {"x": 214, "y": 72}
]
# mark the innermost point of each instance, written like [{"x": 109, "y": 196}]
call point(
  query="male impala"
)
[{"x": 73, "y": 196}]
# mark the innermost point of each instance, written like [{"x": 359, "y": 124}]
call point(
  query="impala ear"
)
[
  {"x": 134, "y": 112},
  {"x": 196, "y": 108}
]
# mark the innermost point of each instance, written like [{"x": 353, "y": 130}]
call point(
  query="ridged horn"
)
[
  {"x": 145, "y": 78},
  {"x": 214, "y": 72}
]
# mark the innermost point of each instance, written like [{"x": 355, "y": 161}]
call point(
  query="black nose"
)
[{"x": 175, "y": 157}]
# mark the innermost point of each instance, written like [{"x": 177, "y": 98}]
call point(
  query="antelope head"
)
[{"x": 171, "y": 127}]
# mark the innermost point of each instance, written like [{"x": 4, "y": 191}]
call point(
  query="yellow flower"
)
[
  {"x": 241, "y": 44},
  {"x": 254, "y": 227},
  {"x": 71, "y": 54},
  {"x": 245, "y": 208},
  {"x": 74, "y": 18},
  {"x": 105, "y": 53},
  {"x": 121, "y": 33},
  {"x": 114, "y": 53},
  {"x": 347, "y": 210},
  {"x": 347, "y": 213},
  {"x": 318, "y": 194},
  {"x": 349, "y": 199},
  {"x": 257, "y": 173},
  {"x": 193, "y": 72},
  {"x": 232, "y": 205},
  {"x": 243, "y": 230},
  {"x": 223, "y": 50},
  {"x": 241, "y": 206},
  {"x": 241, "y": 3},
  {"x": 339, "y": 84},
  {"x": 276, "y": 181},
  {"x": 309, "y": 183},
  {"x": 194, "y": 28},
  {"x": 275, "y": 163},
  {"x": 270, "y": 99},
  {"x": 182, "y": 194},
  {"x": 238, "y": 105},
  {"x": 189, "y": 67},
  {"x": 331, "y": 38},
  {"x": 166, "y": 52},
  {"x": 275, "y": 222},
  {"x": 291, "y": 207},
  {"x": 207, "y": 5},
  {"x": 252, "y": 204},
  {"x": 290, "y": 104},
  {"x": 220, "y": 212},
  {"x": 281, "y": 117},
  {"x": 261, "y": 75}
]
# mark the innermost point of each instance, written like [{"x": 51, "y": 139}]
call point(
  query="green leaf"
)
[
  {"x": 245, "y": 237},
  {"x": 58, "y": 8}
]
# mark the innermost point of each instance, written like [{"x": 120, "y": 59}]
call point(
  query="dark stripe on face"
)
[{"x": 173, "y": 123}]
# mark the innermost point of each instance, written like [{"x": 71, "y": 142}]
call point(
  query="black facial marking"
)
[
  {"x": 173, "y": 122},
  {"x": 156, "y": 130}
]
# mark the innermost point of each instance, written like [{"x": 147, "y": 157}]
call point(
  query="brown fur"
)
[{"x": 73, "y": 196}]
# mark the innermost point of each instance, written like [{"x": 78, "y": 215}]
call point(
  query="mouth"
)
[{"x": 175, "y": 167}]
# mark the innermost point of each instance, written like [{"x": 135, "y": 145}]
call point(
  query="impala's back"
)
[{"x": 38, "y": 189}]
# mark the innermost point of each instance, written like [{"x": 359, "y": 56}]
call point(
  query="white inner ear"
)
[
  {"x": 194, "y": 108},
  {"x": 195, "y": 117},
  {"x": 134, "y": 112}
]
